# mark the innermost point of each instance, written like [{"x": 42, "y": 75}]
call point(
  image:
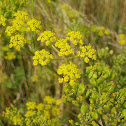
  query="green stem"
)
[
  {"x": 85, "y": 78},
  {"x": 32, "y": 7},
  {"x": 34, "y": 39},
  {"x": 53, "y": 70},
  {"x": 28, "y": 51},
  {"x": 81, "y": 5},
  {"x": 77, "y": 91},
  {"x": 57, "y": 59},
  {"x": 72, "y": 57},
  {"x": 55, "y": 49},
  {"x": 99, "y": 90}
]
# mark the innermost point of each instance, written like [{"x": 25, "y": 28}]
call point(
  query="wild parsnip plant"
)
[{"x": 73, "y": 77}]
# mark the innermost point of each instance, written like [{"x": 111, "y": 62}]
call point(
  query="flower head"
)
[
  {"x": 42, "y": 57},
  {"x": 17, "y": 41},
  {"x": 48, "y": 37}
]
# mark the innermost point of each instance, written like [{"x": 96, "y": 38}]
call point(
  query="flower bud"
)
[
  {"x": 90, "y": 74},
  {"x": 84, "y": 108},
  {"x": 122, "y": 99},
  {"x": 100, "y": 80},
  {"x": 99, "y": 110},
  {"x": 111, "y": 88},
  {"x": 124, "y": 112},
  {"x": 94, "y": 115},
  {"x": 93, "y": 82},
  {"x": 94, "y": 95},
  {"x": 94, "y": 76},
  {"x": 124, "y": 105},
  {"x": 87, "y": 93}
]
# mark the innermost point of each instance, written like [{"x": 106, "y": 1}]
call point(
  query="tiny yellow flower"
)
[
  {"x": 60, "y": 80},
  {"x": 86, "y": 59}
]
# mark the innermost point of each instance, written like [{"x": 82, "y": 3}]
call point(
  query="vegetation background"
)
[{"x": 21, "y": 82}]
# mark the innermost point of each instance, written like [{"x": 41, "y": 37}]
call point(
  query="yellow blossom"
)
[
  {"x": 10, "y": 56},
  {"x": 75, "y": 37},
  {"x": 17, "y": 42},
  {"x": 65, "y": 48},
  {"x": 48, "y": 37},
  {"x": 122, "y": 39},
  {"x": 34, "y": 25},
  {"x": 42, "y": 57},
  {"x": 2, "y": 20},
  {"x": 69, "y": 72},
  {"x": 31, "y": 105},
  {"x": 87, "y": 52}
]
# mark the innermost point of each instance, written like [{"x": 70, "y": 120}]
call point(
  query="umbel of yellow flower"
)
[
  {"x": 65, "y": 48},
  {"x": 42, "y": 57},
  {"x": 34, "y": 25},
  {"x": 10, "y": 30},
  {"x": 13, "y": 114},
  {"x": 48, "y": 37},
  {"x": 75, "y": 37},
  {"x": 20, "y": 19},
  {"x": 87, "y": 52},
  {"x": 2, "y": 20},
  {"x": 45, "y": 114},
  {"x": 31, "y": 105},
  {"x": 19, "y": 15},
  {"x": 70, "y": 73},
  {"x": 100, "y": 30},
  {"x": 17, "y": 42},
  {"x": 122, "y": 39},
  {"x": 10, "y": 56}
]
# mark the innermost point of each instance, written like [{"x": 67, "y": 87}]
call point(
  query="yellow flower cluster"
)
[
  {"x": 48, "y": 37},
  {"x": 31, "y": 105},
  {"x": 2, "y": 20},
  {"x": 75, "y": 37},
  {"x": 5, "y": 48},
  {"x": 103, "y": 31},
  {"x": 87, "y": 52},
  {"x": 42, "y": 57},
  {"x": 70, "y": 73},
  {"x": 34, "y": 25},
  {"x": 12, "y": 114},
  {"x": 100, "y": 30},
  {"x": 20, "y": 25},
  {"x": 49, "y": 100},
  {"x": 21, "y": 15},
  {"x": 17, "y": 42},
  {"x": 43, "y": 113},
  {"x": 17, "y": 23},
  {"x": 65, "y": 48},
  {"x": 10, "y": 56},
  {"x": 9, "y": 30},
  {"x": 122, "y": 39}
]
